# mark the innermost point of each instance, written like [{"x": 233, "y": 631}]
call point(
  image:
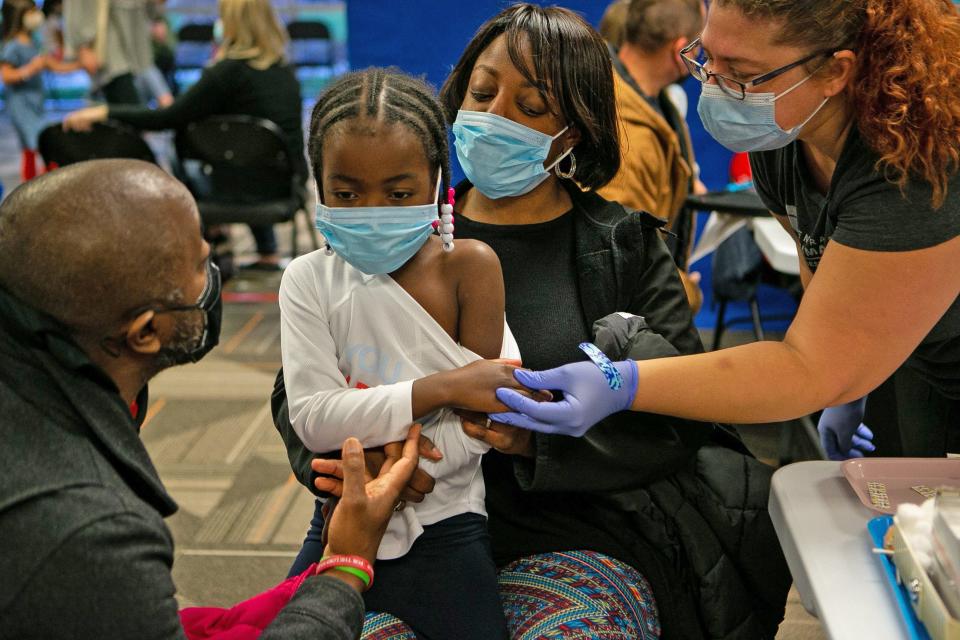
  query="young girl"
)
[
  {"x": 375, "y": 331},
  {"x": 21, "y": 64}
]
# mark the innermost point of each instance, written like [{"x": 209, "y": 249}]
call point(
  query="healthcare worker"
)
[{"x": 851, "y": 113}]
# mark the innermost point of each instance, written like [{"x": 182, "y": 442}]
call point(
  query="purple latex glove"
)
[
  {"x": 587, "y": 398},
  {"x": 842, "y": 432}
]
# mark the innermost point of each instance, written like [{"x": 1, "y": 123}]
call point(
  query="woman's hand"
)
[
  {"x": 589, "y": 396},
  {"x": 84, "y": 119},
  {"x": 504, "y": 438},
  {"x": 842, "y": 432},
  {"x": 360, "y": 519},
  {"x": 421, "y": 483}
]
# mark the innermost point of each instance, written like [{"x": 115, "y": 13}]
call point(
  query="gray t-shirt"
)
[{"x": 863, "y": 211}]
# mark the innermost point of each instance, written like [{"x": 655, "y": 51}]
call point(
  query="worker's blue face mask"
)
[
  {"x": 377, "y": 240},
  {"x": 500, "y": 157},
  {"x": 749, "y": 124},
  {"x": 218, "y": 31}
]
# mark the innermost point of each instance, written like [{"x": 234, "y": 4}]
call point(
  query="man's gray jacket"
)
[{"x": 86, "y": 553}]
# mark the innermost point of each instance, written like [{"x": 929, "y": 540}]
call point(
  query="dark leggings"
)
[
  {"x": 122, "y": 90},
  {"x": 444, "y": 587}
]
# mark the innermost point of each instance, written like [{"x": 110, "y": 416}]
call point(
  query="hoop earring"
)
[{"x": 567, "y": 175}]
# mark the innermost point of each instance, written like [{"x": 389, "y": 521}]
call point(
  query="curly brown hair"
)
[{"x": 905, "y": 92}]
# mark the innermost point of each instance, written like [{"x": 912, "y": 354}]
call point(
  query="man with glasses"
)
[
  {"x": 105, "y": 281},
  {"x": 657, "y": 165}
]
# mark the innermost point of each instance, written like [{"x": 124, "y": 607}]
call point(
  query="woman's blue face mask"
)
[
  {"x": 500, "y": 157},
  {"x": 377, "y": 240},
  {"x": 749, "y": 124}
]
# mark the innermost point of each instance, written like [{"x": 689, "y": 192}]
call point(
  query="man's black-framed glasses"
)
[{"x": 695, "y": 58}]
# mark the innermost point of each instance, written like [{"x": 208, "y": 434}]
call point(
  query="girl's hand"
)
[
  {"x": 474, "y": 386},
  {"x": 84, "y": 119}
]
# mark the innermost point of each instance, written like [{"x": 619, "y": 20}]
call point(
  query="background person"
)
[
  {"x": 657, "y": 162},
  {"x": 21, "y": 68},
  {"x": 850, "y": 112},
  {"x": 111, "y": 41}
]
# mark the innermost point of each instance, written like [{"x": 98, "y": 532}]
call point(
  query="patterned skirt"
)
[{"x": 574, "y": 595}]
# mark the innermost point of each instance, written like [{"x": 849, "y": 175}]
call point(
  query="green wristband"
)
[{"x": 355, "y": 572}]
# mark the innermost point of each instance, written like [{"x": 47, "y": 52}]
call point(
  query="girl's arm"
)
[
  {"x": 9, "y": 74},
  {"x": 325, "y": 411},
  {"x": 15, "y": 75},
  {"x": 480, "y": 296}
]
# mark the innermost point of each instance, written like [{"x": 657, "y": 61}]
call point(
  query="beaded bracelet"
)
[{"x": 354, "y": 565}]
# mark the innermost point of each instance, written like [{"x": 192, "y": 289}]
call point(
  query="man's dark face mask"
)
[
  {"x": 188, "y": 343},
  {"x": 191, "y": 345}
]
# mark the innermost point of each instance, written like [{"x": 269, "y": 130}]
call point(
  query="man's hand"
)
[
  {"x": 502, "y": 437},
  {"x": 421, "y": 483},
  {"x": 360, "y": 519}
]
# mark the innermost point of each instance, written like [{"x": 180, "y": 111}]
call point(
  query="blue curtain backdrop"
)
[{"x": 426, "y": 37}]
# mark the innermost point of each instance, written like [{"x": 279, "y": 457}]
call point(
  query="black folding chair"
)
[
  {"x": 106, "y": 140},
  {"x": 248, "y": 173},
  {"x": 310, "y": 44}
]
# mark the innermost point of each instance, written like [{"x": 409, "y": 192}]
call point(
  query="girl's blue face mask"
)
[
  {"x": 377, "y": 240},
  {"x": 749, "y": 124},
  {"x": 500, "y": 157}
]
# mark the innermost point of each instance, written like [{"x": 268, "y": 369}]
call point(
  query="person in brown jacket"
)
[{"x": 656, "y": 170}]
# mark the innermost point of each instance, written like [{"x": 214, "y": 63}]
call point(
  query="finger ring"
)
[
  {"x": 400, "y": 506},
  {"x": 487, "y": 425}
]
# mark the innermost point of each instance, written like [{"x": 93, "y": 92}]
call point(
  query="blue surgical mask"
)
[
  {"x": 500, "y": 157},
  {"x": 218, "y": 31},
  {"x": 749, "y": 124},
  {"x": 376, "y": 240}
]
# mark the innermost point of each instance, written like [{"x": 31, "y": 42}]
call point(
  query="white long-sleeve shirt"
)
[{"x": 352, "y": 345}]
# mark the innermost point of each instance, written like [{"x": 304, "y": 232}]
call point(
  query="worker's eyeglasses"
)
[{"x": 695, "y": 57}]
